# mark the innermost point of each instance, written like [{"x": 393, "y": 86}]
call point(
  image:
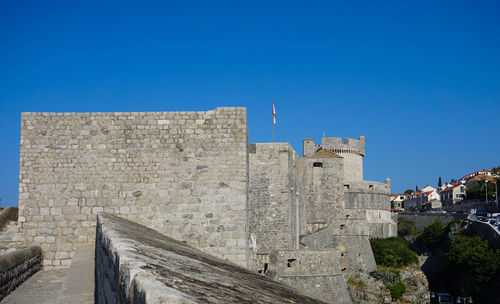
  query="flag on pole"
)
[{"x": 274, "y": 115}]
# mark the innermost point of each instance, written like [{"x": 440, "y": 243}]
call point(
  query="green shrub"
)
[
  {"x": 433, "y": 233},
  {"x": 397, "y": 290},
  {"x": 474, "y": 256},
  {"x": 392, "y": 252},
  {"x": 387, "y": 276},
  {"x": 406, "y": 227},
  {"x": 453, "y": 228}
]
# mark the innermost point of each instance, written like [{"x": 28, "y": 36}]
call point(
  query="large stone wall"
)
[
  {"x": 422, "y": 220},
  {"x": 315, "y": 271},
  {"x": 320, "y": 193},
  {"x": 135, "y": 264},
  {"x": 272, "y": 200},
  {"x": 181, "y": 173},
  {"x": 372, "y": 198}
]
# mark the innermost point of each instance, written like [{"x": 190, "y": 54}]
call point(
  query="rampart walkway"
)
[{"x": 57, "y": 286}]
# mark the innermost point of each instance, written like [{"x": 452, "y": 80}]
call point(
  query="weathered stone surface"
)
[
  {"x": 166, "y": 170},
  {"x": 17, "y": 266},
  {"x": 312, "y": 270},
  {"x": 272, "y": 200},
  {"x": 42, "y": 288},
  {"x": 135, "y": 264}
]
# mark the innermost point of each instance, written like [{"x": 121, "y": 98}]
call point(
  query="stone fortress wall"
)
[
  {"x": 194, "y": 177},
  {"x": 181, "y": 173},
  {"x": 272, "y": 200},
  {"x": 351, "y": 150}
]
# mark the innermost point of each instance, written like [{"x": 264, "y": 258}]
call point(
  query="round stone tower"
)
[{"x": 352, "y": 150}]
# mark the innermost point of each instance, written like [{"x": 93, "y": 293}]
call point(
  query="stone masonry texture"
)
[
  {"x": 194, "y": 177},
  {"x": 17, "y": 266},
  {"x": 272, "y": 199},
  {"x": 181, "y": 173},
  {"x": 135, "y": 264}
]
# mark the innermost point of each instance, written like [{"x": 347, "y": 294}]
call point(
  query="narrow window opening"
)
[
  {"x": 342, "y": 226},
  {"x": 370, "y": 187},
  {"x": 346, "y": 187},
  {"x": 290, "y": 261},
  {"x": 318, "y": 165},
  {"x": 263, "y": 271}
]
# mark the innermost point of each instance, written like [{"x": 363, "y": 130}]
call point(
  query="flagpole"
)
[{"x": 273, "y": 120}]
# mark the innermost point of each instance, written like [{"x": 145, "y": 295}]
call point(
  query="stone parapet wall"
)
[
  {"x": 182, "y": 173},
  {"x": 313, "y": 271},
  {"x": 135, "y": 264},
  {"x": 346, "y": 145},
  {"x": 367, "y": 195},
  {"x": 486, "y": 232},
  {"x": 17, "y": 266},
  {"x": 425, "y": 219}
]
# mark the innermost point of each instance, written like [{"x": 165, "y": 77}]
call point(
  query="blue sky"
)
[{"x": 420, "y": 80}]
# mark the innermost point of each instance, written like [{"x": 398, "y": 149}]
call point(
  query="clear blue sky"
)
[{"x": 419, "y": 79}]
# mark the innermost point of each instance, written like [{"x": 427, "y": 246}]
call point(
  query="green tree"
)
[
  {"x": 408, "y": 191},
  {"x": 397, "y": 290},
  {"x": 406, "y": 227},
  {"x": 440, "y": 183},
  {"x": 432, "y": 234},
  {"x": 496, "y": 170},
  {"x": 473, "y": 256},
  {"x": 392, "y": 252}
]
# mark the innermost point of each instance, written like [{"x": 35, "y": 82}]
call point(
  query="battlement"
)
[{"x": 336, "y": 144}]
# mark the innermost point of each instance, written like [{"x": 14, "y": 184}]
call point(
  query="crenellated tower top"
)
[{"x": 335, "y": 144}]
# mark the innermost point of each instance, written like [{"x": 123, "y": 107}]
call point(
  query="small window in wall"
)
[
  {"x": 318, "y": 165},
  {"x": 263, "y": 271},
  {"x": 290, "y": 262},
  {"x": 347, "y": 187},
  {"x": 370, "y": 187}
]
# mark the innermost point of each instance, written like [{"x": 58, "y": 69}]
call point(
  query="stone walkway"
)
[
  {"x": 42, "y": 288},
  {"x": 71, "y": 285}
]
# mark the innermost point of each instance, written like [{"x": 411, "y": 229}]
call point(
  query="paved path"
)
[
  {"x": 71, "y": 285},
  {"x": 42, "y": 288},
  {"x": 78, "y": 286}
]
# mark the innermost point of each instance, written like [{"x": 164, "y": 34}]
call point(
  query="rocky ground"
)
[{"x": 365, "y": 289}]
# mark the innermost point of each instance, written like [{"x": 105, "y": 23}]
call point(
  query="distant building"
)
[
  {"x": 469, "y": 176},
  {"x": 453, "y": 194},
  {"x": 397, "y": 202},
  {"x": 420, "y": 198}
]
